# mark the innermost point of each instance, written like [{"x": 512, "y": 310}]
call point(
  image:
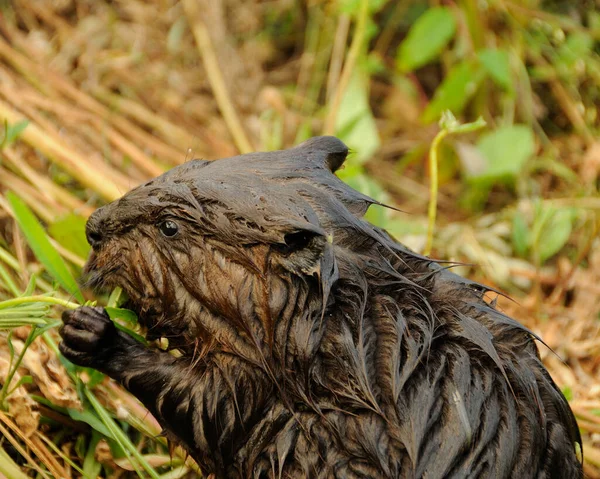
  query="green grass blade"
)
[
  {"x": 43, "y": 250},
  {"x": 8, "y": 281},
  {"x": 121, "y": 438},
  {"x": 8, "y": 468}
]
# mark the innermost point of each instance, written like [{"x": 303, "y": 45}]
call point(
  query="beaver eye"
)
[{"x": 169, "y": 228}]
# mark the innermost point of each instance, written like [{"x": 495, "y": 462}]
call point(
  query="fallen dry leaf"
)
[
  {"x": 49, "y": 375},
  {"x": 21, "y": 407}
]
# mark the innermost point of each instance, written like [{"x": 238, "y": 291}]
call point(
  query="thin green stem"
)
[
  {"x": 433, "y": 188},
  {"x": 121, "y": 438},
  {"x": 9, "y": 259},
  {"x": 449, "y": 126},
  {"x": 353, "y": 52},
  {"x": 10, "y": 284},
  {"x": 9, "y": 303},
  {"x": 14, "y": 366}
]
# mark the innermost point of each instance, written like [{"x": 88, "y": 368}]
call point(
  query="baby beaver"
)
[{"x": 312, "y": 344}]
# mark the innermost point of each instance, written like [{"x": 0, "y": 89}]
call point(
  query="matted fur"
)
[{"x": 313, "y": 344}]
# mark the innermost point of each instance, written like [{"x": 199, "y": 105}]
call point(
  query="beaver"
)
[{"x": 311, "y": 344}]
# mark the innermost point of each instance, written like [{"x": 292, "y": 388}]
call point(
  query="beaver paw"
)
[{"x": 89, "y": 337}]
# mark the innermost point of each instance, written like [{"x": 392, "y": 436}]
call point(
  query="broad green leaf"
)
[
  {"x": 41, "y": 247},
  {"x": 505, "y": 150},
  {"x": 426, "y": 39},
  {"x": 455, "y": 91},
  {"x": 399, "y": 227},
  {"x": 555, "y": 233},
  {"x": 497, "y": 65},
  {"x": 117, "y": 297},
  {"x": 69, "y": 231},
  {"x": 127, "y": 316},
  {"x": 577, "y": 47},
  {"x": 124, "y": 314},
  {"x": 91, "y": 418},
  {"x": 355, "y": 124},
  {"x": 355, "y": 176},
  {"x": 520, "y": 234}
]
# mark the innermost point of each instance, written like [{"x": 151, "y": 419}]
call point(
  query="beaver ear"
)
[
  {"x": 296, "y": 241},
  {"x": 326, "y": 150},
  {"x": 301, "y": 249}
]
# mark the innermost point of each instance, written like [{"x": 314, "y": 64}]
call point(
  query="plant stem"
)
[
  {"x": 433, "y": 189},
  {"x": 121, "y": 438},
  {"x": 353, "y": 52},
  {"x": 38, "y": 299},
  {"x": 215, "y": 76},
  {"x": 449, "y": 126}
]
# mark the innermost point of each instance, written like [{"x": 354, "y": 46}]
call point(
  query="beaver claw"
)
[{"x": 89, "y": 336}]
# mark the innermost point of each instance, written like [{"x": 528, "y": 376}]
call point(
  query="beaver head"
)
[{"x": 226, "y": 252}]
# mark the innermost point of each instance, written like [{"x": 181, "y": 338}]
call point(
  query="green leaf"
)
[
  {"x": 567, "y": 393},
  {"x": 95, "y": 378},
  {"x": 497, "y": 65},
  {"x": 577, "y": 47},
  {"x": 456, "y": 90},
  {"x": 352, "y": 7},
  {"x": 12, "y": 132},
  {"x": 124, "y": 314},
  {"x": 399, "y": 227},
  {"x": 555, "y": 233},
  {"x": 129, "y": 317},
  {"x": 520, "y": 234},
  {"x": 355, "y": 124},
  {"x": 175, "y": 35},
  {"x": 91, "y": 467},
  {"x": 8, "y": 468},
  {"x": 120, "y": 437},
  {"x": 426, "y": 39},
  {"x": 41, "y": 247},
  {"x": 69, "y": 231},
  {"x": 505, "y": 150},
  {"x": 91, "y": 418}
]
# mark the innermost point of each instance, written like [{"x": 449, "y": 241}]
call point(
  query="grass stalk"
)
[
  {"x": 449, "y": 126},
  {"x": 20, "y": 449},
  {"x": 215, "y": 77},
  {"x": 44, "y": 184},
  {"x": 67, "y": 158},
  {"x": 351, "y": 59},
  {"x": 433, "y": 188},
  {"x": 131, "y": 452},
  {"x": 337, "y": 55},
  {"x": 8, "y": 468}
]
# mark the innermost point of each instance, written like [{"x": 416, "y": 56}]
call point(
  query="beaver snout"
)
[{"x": 95, "y": 229}]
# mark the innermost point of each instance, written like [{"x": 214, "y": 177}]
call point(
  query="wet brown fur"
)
[{"x": 313, "y": 344}]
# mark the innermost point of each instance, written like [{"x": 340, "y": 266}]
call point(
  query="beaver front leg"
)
[{"x": 206, "y": 405}]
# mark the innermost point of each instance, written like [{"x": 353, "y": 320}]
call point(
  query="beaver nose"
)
[{"x": 94, "y": 230}]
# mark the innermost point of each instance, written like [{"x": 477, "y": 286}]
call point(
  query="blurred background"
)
[{"x": 97, "y": 96}]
